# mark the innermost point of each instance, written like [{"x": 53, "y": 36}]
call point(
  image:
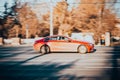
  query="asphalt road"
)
[{"x": 23, "y": 63}]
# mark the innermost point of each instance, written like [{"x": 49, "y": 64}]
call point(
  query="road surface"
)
[{"x": 23, "y": 63}]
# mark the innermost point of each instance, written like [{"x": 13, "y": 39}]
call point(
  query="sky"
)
[
  {"x": 2, "y": 2},
  {"x": 11, "y": 2},
  {"x": 32, "y": 3}
]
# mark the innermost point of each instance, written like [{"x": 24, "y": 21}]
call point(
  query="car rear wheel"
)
[
  {"x": 82, "y": 49},
  {"x": 44, "y": 49}
]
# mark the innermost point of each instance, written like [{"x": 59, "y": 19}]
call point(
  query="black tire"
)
[
  {"x": 44, "y": 49},
  {"x": 82, "y": 49}
]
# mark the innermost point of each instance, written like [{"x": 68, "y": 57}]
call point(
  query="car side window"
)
[
  {"x": 46, "y": 39},
  {"x": 66, "y": 39},
  {"x": 53, "y": 38},
  {"x": 63, "y": 38}
]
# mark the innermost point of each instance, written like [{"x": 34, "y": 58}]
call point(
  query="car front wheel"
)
[{"x": 82, "y": 49}]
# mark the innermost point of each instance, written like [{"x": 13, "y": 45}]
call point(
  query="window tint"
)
[
  {"x": 56, "y": 38},
  {"x": 53, "y": 38},
  {"x": 63, "y": 38},
  {"x": 46, "y": 39}
]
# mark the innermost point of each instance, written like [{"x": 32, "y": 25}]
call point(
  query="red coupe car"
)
[{"x": 61, "y": 43}]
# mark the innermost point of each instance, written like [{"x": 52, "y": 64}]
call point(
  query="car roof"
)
[{"x": 56, "y": 36}]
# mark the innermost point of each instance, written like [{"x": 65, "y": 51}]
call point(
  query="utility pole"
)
[
  {"x": 51, "y": 18},
  {"x": 27, "y": 32}
]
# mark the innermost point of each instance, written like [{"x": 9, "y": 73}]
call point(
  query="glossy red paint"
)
[{"x": 61, "y": 43}]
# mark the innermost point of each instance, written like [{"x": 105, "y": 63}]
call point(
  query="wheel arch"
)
[{"x": 45, "y": 45}]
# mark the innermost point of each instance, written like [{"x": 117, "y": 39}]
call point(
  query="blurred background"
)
[{"x": 31, "y": 19}]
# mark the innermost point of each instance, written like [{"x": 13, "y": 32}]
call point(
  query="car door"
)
[
  {"x": 66, "y": 44},
  {"x": 54, "y": 43},
  {"x": 62, "y": 43}
]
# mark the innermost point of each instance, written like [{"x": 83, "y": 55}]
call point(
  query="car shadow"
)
[
  {"x": 46, "y": 70},
  {"x": 43, "y": 71},
  {"x": 71, "y": 51}
]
